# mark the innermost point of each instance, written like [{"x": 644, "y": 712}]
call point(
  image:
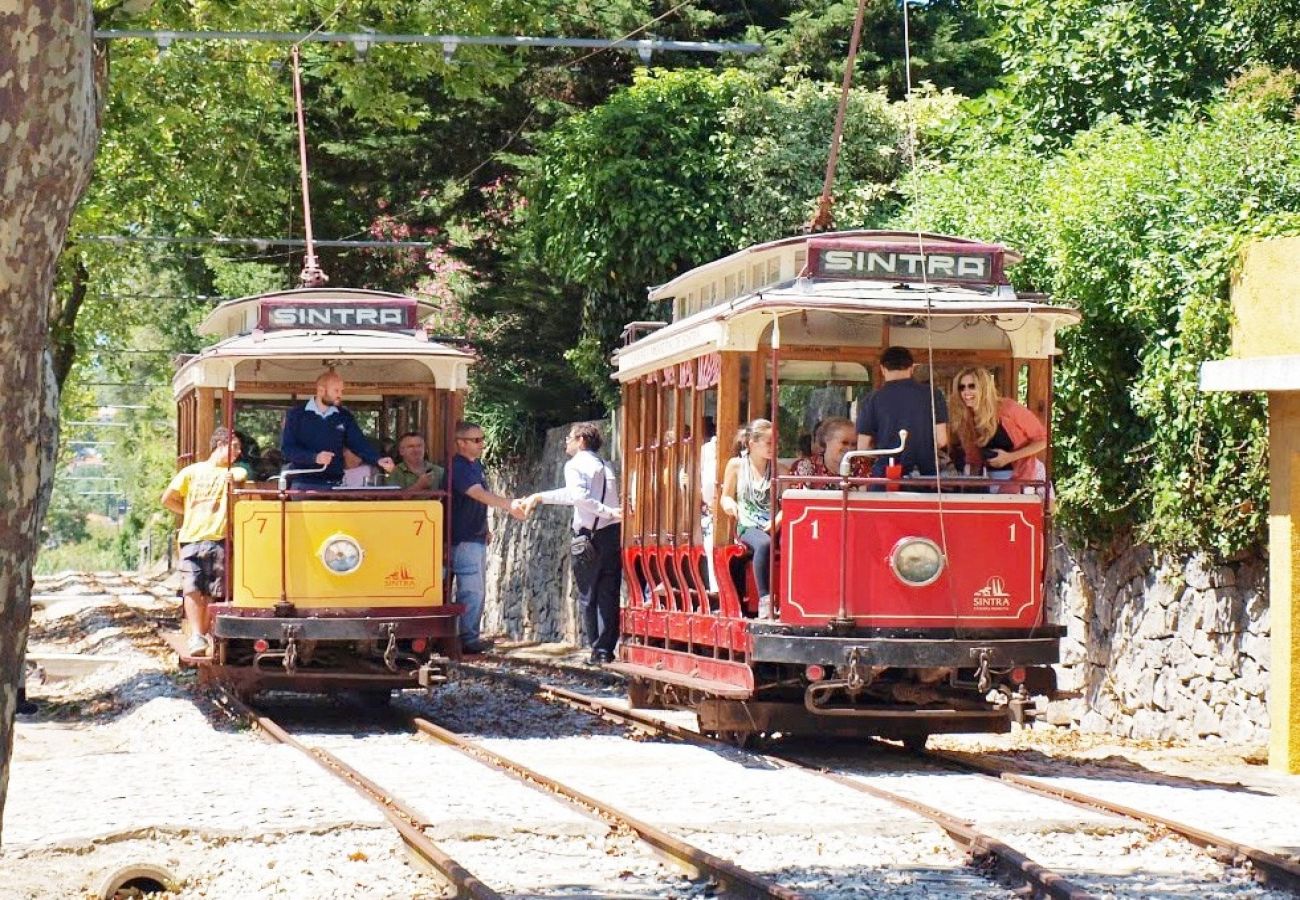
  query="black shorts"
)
[{"x": 203, "y": 568}]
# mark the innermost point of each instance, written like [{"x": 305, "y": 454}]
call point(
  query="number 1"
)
[{"x": 1013, "y": 532}]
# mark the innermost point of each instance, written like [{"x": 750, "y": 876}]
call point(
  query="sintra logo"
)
[
  {"x": 993, "y": 595},
  {"x": 401, "y": 578}
]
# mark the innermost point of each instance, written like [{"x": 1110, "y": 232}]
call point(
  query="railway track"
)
[
  {"x": 993, "y": 857},
  {"x": 1272, "y": 869},
  {"x": 716, "y": 876}
]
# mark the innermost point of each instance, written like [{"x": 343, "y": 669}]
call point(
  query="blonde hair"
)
[{"x": 974, "y": 427}]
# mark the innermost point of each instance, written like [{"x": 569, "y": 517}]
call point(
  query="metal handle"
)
[
  {"x": 284, "y": 476},
  {"x": 845, "y": 463}
]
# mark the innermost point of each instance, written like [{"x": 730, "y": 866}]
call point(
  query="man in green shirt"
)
[{"x": 414, "y": 472}]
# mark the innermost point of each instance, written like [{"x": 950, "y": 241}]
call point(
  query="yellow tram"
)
[
  {"x": 335, "y": 588},
  {"x": 899, "y": 606}
]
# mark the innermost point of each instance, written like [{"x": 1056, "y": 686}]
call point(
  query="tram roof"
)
[
  {"x": 300, "y": 355},
  {"x": 242, "y": 315},
  {"x": 730, "y": 304}
]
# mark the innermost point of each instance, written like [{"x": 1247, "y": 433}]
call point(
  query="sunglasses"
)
[{"x": 966, "y": 386}]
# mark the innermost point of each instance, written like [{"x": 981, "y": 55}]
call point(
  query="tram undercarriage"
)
[
  {"x": 797, "y": 683},
  {"x": 370, "y": 651}
]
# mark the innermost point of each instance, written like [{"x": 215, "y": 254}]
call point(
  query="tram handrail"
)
[
  {"x": 846, "y": 464},
  {"x": 284, "y": 475}
]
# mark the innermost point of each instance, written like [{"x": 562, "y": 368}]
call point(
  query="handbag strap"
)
[{"x": 604, "y": 483}]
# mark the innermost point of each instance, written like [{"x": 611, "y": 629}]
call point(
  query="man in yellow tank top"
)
[{"x": 198, "y": 494}]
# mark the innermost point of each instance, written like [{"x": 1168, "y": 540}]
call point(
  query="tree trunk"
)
[{"x": 49, "y": 127}]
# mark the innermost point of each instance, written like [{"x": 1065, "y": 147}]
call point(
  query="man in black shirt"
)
[{"x": 902, "y": 403}]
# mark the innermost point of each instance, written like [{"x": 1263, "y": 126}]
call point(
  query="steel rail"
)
[
  {"x": 1007, "y": 861},
  {"x": 1271, "y": 868},
  {"x": 408, "y": 823},
  {"x": 732, "y": 879}
]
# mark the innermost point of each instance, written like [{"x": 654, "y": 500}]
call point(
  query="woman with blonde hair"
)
[
  {"x": 747, "y": 498},
  {"x": 993, "y": 431}
]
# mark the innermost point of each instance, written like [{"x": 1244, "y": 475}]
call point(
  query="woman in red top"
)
[
  {"x": 992, "y": 431},
  {"x": 837, "y": 436}
]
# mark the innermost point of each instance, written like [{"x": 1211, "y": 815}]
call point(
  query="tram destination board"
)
[
  {"x": 333, "y": 315},
  {"x": 941, "y": 262}
]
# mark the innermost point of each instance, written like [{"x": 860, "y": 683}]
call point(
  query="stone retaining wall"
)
[
  {"x": 1155, "y": 648},
  {"x": 1162, "y": 648}
]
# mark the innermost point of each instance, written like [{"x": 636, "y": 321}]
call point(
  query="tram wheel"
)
[
  {"x": 738, "y": 738},
  {"x": 642, "y": 694},
  {"x": 915, "y": 742}
]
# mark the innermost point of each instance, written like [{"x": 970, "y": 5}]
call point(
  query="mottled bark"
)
[{"x": 48, "y": 131}]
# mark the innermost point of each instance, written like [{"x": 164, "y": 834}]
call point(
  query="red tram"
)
[{"x": 902, "y": 607}]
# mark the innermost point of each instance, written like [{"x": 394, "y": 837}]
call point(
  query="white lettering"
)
[
  {"x": 914, "y": 262},
  {"x": 883, "y": 262},
  {"x": 971, "y": 267},
  {"x": 283, "y": 317},
  {"x": 367, "y": 317},
  {"x": 316, "y": 317},
  {"x": 837, "y": 261},
  {"x": 941, "y": 265},
  {"x": 391, "y": 316}
]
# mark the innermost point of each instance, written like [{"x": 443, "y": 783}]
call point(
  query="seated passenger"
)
[
  {"x": 355, "y": 472},
  {"x": 248, "y": 459},
  {"x": 414, "y": 472},
  {"x": 747, "y": 497},
  {"x": 992, "y": 432},
  {"x": 838, "y": 436},
  {"x": 269, "y": 466}
]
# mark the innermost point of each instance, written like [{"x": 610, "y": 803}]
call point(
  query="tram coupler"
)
[
  {"x": 390, "y": 651},
  {"x": 983, "y": 676},
  {"x": 291, "y": 648},
  {"x": 284, "y": 609},
  {"x": 433, "y": 673}
]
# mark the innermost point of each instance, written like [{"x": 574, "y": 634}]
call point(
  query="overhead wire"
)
[{"x": 912, "y": 138}]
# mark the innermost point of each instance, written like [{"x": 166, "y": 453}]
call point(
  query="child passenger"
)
[{"x": 747, "y": 498}]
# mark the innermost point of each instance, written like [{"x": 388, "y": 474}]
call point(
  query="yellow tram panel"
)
[{"x": 400, "y": 553}]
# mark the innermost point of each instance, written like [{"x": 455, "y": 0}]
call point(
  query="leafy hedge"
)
[{"x": 1139, "y": 227}]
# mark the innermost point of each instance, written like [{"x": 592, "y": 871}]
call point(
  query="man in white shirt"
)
[{"x": 591, "y": 488}]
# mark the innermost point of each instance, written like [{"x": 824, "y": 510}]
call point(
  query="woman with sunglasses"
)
[{"x": 993, "y": 432}]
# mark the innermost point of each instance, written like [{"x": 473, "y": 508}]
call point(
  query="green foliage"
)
[
  {"x": 1138, "y": 227},
  {"x": 1070, "y": 63},
  {"x": 683, "y": 167},
  {"x": 950, "y": 45},
  {"x": 97, "y": 552}
]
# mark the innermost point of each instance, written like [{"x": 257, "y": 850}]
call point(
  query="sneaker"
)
[
  {"x": 765, "y": 606},
  {"x": 197, "y": 646},
  {"x": 475, "y": 648}
]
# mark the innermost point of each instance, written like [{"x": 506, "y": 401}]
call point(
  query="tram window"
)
[{"x": 814, "y": 390}]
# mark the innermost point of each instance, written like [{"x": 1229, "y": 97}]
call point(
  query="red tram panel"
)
[{"x": 992, "y": 577}]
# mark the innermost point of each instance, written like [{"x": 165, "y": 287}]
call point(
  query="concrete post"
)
[{"x": 1266, "y": 357}]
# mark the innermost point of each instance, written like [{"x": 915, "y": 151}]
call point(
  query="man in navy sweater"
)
[{"x": 316, "y": 433}]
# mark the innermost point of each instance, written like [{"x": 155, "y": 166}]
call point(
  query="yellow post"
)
[{"x": 1266, "y": 357}]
